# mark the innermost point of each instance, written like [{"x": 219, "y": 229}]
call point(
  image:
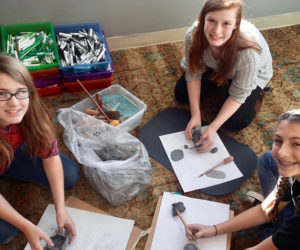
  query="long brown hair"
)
[
  {"x": 229, "y": 51},
  {"x": 37, "y": 129},
  {"x": 284, "y": 185}
]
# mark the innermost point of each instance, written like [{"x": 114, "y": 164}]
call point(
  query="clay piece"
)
[
  {"x": 190, "y": 246},
  {"x": 214, "y": 150},
  {"x": 196, "y": 134},
  {"x": 177, "y": 155},
  {"x": 179, "y": 206},
  {"x": 60, "y": 242},
  {"x": 217, "y": 174}
]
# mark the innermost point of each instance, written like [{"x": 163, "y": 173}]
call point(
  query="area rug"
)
[{"x": 150, "y": 73}]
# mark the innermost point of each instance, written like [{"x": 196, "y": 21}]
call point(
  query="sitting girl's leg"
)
[
  {"x": 25, "y": 168},
  {"x": 267, "y": 173},
  {"x": 7, "y": 232}
]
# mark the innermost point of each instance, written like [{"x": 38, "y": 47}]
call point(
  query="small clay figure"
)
[
  {"x": 214, "y": 150},
  {"x": 190, "y": 246},
  {"x": 60, "y": 242},
  {"x": 179, "y": 206},
  {"x": 196, "y": 134}
]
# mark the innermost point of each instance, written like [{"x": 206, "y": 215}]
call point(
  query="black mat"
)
[{"x": 173, "y": 120}]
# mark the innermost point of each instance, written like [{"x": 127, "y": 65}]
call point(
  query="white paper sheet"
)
[
  {"x": 170, "y": 233},
  {"x": 194, "y": 163},
  {"x": 94, "y": 231}
]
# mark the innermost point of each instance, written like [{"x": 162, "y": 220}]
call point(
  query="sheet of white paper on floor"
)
[
  {"x": 94, "y": 230},
  {"x": 194, "y": 163},
  {"x": 170, "y": 233}
]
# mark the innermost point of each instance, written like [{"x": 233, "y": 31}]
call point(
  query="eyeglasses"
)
[{"x": 21, "y": 94}]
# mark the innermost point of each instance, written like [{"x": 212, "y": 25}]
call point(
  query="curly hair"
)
[{"x": 37, "y": 128}]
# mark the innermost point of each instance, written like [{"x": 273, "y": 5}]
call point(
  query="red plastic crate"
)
[
  {"x": 53, "y": 90},
  {"x": 100, "y": 83},
  {"x": 44, "y": 73}
]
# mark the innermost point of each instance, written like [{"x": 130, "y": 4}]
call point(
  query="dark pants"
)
[
  {"x": 240, "y": 119},
  {"x": 28, "y": 169}
]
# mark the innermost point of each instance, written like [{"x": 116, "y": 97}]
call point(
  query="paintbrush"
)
[
  {"x": 225, "y": 161},
  {"x": 97, "y": 105},
  {"x": 181, "y": 218},
  {"x": 179, "y": 206}
]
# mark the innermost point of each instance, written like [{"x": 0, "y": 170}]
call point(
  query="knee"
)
[
  {"x": 180, "y": 90},
  {"x": 265, "y": 163},
  {"x": 71, "y": 177},
  {"x": 71, "y": 172},
  {"x": 7, "y": 232},
  {"x": 236, "y": 124}
]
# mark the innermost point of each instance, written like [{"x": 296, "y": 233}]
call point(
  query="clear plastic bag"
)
[{"x": 116, "y": 163}]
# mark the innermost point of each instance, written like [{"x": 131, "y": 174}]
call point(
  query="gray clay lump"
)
[
  {"x": 179, "y": 206},
  {"x": 177, "y": 155},
  {"x": 214, "y": 150},
  {"x": 190, "y": 246}
]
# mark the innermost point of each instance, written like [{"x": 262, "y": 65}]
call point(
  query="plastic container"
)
[
  {"x": 52, "y": 90},
  {"x": 105, "y": 66},
  {"x": 31, "y": 27},
  {"x": 88, "y": 76},
  {"x": 130, "y": 123},
  {"x": 88, "y": 84},
  {"x": 47, "y": 81},
  {"x": 37, "y": 74}
]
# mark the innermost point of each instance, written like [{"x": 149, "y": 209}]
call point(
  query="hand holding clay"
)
[
  {"x": 207, "y": 139},
  {"x": 197, "y": 231}
]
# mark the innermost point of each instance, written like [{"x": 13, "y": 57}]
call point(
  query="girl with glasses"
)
[
  {"x": 279, "y": 174},
  {"x": 229, "y": 57},
  {"x": 28, "y": 151}
]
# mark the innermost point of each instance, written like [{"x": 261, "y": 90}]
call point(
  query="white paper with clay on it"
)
[
  {"x": 194, "y": 163},
  {"x": 170, "y": 233},
  {"x": 94, "y": 230}
]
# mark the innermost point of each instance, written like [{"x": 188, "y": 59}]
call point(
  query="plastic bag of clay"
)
[{"x": 116, "y": 163}]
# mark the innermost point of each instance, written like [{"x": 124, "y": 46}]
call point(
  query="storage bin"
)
[
  {"x": 52, "y": 90},
  {"x": 16, "y": 29},
  {"x": 105, "y": 66},
  {"x": 47, "y": 81},
  {"x": 88, "y": 84},
  {"x": 37, "y": 74},
  {"x": 130, "y": 123},
  {"x": 88, "y": 76}
]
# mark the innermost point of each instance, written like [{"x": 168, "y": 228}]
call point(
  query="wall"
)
[{"x": 126, "y": 17}]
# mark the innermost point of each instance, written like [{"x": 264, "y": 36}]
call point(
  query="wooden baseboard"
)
[{"x": 167, "y": 36}]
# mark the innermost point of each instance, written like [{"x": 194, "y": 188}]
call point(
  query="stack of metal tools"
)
[{"x": 82, "y": 47}]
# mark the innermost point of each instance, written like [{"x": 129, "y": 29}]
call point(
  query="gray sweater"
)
[{"x": 251, "y": 69}]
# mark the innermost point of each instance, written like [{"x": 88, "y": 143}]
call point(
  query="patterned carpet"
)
[{"x": 150, "y": 73}]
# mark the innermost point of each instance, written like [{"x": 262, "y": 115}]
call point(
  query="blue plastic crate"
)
[{"x": 105, "y": 66}]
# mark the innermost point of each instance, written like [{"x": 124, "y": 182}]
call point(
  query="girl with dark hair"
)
[
  {"x": 279, "y": 173},
  {"x": 226, "y": 55},
  {"x": 28, "y": 151}
]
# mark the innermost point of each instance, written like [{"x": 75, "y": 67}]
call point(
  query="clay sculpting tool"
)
[
  {"x": 177, "y": 209},
  {"x": 225, "y": 161},
  {"x": 112, "y": 122}
]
